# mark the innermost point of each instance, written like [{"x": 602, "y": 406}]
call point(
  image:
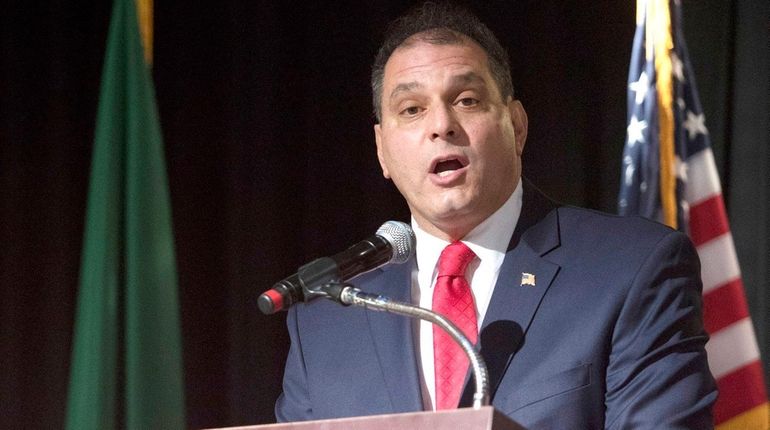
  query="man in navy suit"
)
[{"x": 586, "y": 320}]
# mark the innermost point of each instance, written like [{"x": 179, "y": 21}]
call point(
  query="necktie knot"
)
[{"x": 454, "y": 259}]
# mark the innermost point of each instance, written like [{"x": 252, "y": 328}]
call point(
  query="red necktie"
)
[{"x": 453, "y": 299}]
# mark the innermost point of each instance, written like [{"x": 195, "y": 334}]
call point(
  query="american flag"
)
[{"x": 669, "y": 174}]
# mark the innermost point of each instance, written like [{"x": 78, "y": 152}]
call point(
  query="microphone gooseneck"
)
[{"x": 349, "y": 295}]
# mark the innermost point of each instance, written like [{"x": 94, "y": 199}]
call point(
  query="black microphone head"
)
[{"x": 401, "y": 238}]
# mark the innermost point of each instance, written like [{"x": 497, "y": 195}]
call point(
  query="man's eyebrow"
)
[
  {"x": 405, "y": 87},
  {"x": 462, "y": 79}
]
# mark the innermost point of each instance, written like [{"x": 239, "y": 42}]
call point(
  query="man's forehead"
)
[
  {"x": 464, "y": 62},
  {"x": 431, "y": 39}
]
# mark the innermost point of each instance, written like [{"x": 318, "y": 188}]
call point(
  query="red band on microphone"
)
[{"x": 276, "y": 298}]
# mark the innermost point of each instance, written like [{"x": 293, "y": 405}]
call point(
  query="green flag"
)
[{"x": 126, "y": 360}]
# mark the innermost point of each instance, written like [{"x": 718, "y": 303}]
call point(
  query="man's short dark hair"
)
[{"x": 441, "y": 24}]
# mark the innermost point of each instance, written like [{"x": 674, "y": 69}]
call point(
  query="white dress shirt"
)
[{"x": 489, "y": 241}]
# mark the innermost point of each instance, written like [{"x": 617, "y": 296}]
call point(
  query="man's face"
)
[{"x": 448, "y": 141}]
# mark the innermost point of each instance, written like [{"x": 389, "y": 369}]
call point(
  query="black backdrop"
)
[{"x": 267, "y": 123}]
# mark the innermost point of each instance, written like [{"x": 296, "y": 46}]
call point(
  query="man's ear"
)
[
  {"x": 378, "y": 140},
  {"x": 520, "y": 124}
]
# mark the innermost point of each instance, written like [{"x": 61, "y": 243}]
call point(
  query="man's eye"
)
[
  {"x": 411, "y": 111},
  {"x": 467, "y": 102}
]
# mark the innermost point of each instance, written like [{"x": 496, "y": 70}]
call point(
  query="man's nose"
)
[{"x": 443, "y": 123}]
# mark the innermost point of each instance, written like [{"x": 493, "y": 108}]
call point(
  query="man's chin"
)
[
  {"x": 450, "y": 223},
  {"x": 449, "y": 213}
]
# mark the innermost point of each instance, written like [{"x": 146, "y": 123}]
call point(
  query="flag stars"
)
[
  {"x": 680, "y": 169},
  {"x": 636, "y": 131},
  {"x": 677, "y": 67},
  {"x": 629, "y": 174},
  {"x": 629, "y": 169},
  {"x": 695, "y": 125},
  {"x": 685, "y": 208},
  {"x": 640, "y": 87}
]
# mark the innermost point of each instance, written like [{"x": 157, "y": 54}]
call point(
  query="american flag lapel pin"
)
[{"x": 527, "y": 279}]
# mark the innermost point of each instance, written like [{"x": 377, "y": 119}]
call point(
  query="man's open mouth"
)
[{"x": 446, "y": 166}]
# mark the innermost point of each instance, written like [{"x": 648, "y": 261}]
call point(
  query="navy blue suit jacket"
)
[{"x": 610, "y": 336}]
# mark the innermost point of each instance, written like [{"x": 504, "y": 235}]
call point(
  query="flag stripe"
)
[
  {"x": 756, "y": 418},
  {"x": 732, "y": 348},
  {"x": 702, "y": 177},
  {"x": 708, "y": 220},
  {"x": 738, "y": 392},
  {"x": 719, "y": 264},
  {"x": 724, "y": 305}
]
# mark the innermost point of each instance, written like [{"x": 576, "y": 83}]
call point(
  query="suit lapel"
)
[
  {"x": 515, "y": 299},
  {"x": 393, "y": 339}
]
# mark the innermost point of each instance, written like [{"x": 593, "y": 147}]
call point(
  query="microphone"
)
[{"x": 393, "y": 242}]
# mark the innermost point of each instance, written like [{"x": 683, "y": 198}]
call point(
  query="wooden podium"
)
[{"x": 484, "y": 418}]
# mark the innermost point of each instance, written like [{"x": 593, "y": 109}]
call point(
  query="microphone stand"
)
[{"x": 346, "y": 294}]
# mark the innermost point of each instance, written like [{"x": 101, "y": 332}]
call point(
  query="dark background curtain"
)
[{"x": 266, "y": 116}]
